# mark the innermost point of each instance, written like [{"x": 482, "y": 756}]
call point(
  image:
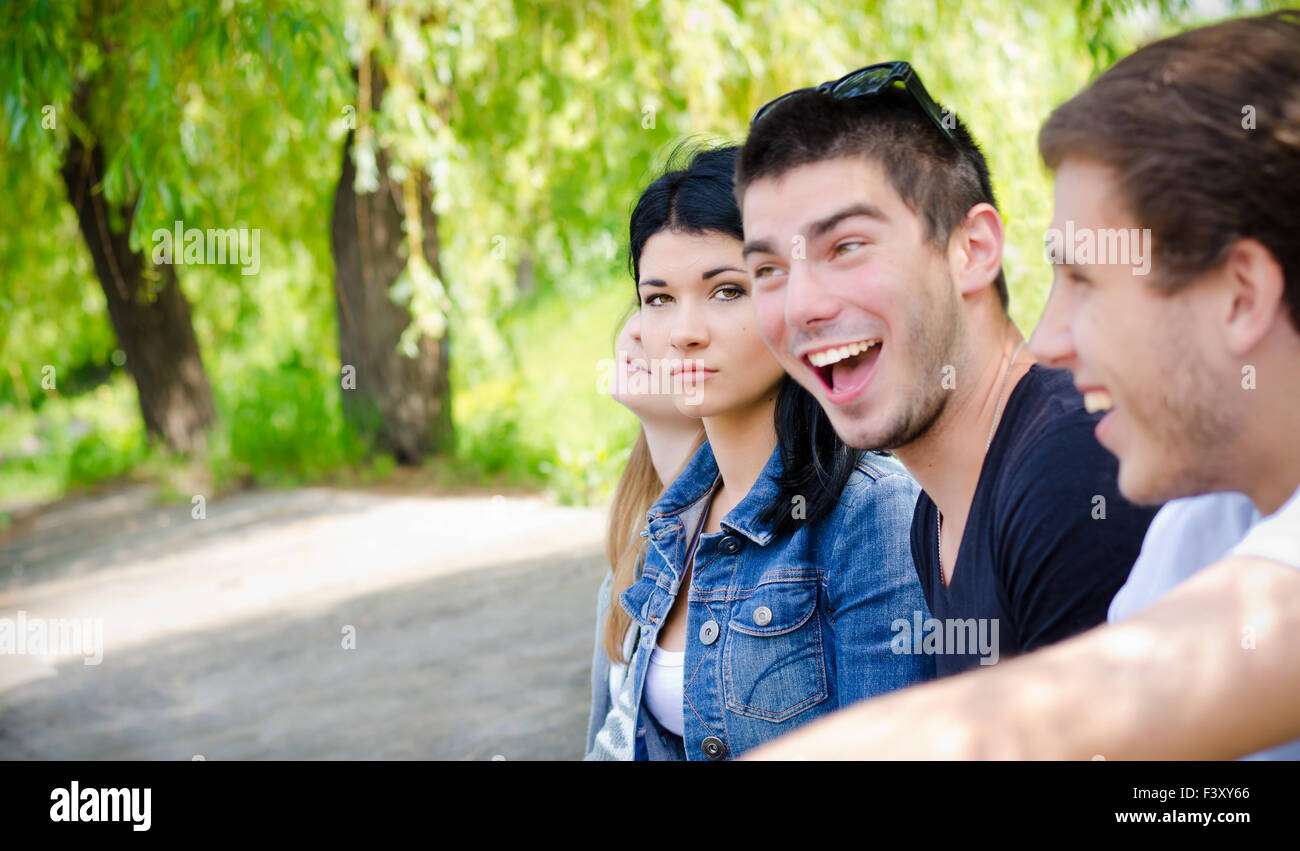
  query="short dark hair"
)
[
  {"x": 939, "y": 181},
  {"x": 1171, "y": 120}
]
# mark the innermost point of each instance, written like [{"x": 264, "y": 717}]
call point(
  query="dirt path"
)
[{"x": 224, "y": 636}]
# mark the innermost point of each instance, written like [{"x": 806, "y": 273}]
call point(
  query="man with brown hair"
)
[{"x": 1194, "y": 139}]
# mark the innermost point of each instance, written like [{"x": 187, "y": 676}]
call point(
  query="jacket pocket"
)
[{"x": 773, "y": 665}]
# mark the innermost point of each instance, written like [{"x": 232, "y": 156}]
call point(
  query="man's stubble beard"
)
[
  {"x": 941, "y": 334},
  {"x": 1195, "y": 427}
]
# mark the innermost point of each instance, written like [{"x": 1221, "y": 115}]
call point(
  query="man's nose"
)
[
  {"x": 1052, "y": 343},
  {"x": 807, "y": 302}
]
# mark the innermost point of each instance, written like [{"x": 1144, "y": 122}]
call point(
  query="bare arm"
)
[{"x": 1176, "y": 681}]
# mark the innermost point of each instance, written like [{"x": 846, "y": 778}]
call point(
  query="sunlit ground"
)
[{"x": 224, "y": 637}]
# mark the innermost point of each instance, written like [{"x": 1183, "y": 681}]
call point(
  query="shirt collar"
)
[{"x": 681, "y": 501}]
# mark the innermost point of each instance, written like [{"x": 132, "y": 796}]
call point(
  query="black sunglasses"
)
[{"x": 872, "y": 80}]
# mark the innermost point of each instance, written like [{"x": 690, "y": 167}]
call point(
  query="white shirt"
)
[
  {"x": 1189, "y": 534},
  {"x": 1185, "y": 536},
  {"x": 1276, "y": 537},
  {"x": 663, "y": 688},
  {"x": 617, "y": 671}
]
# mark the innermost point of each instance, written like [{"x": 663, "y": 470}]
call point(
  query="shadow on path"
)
[{"x": 473, "y": 629}]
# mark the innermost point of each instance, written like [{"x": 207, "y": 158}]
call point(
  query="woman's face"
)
[
  {"x": 634, "y": 387},
  {"x": 698, "y": 320}
]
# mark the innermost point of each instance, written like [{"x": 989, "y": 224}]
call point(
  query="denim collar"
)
[{"x": 683, "y": 503}]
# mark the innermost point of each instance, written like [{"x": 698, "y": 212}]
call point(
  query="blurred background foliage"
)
[{"x": 537, "y": 122}]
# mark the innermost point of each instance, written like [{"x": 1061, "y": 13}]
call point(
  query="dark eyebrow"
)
[
  {"x": 656, "y": 282},
  {"x": 871, "y": 211},
  {"x": 821, "y": 226}
]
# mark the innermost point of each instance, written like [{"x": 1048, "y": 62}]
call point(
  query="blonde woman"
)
[{"x": 666, "y": 440}]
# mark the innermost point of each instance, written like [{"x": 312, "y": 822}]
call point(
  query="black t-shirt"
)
[{"x": 1048, "y": 540}]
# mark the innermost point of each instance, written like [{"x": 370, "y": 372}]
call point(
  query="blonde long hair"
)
[{"x": 638, "y": 489}]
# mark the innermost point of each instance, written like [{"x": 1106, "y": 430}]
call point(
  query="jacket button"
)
[
  {"x": 762, "y": 616},
  {"x": 729, "y": 545},
  {"x": 709, "y": 632},
  {"x": 713, "y": 748}
]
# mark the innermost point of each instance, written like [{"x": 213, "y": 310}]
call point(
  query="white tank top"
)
[{"x": 663, "y": 688}]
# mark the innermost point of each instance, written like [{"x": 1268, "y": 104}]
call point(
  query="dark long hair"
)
[{"x": 698, "y": 198}]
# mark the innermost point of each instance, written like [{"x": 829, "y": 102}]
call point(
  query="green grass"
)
[
  {"x": 536, "y": 423},
  {"x": 544, "y": 419},
  {"x": 66, "y": 443}
]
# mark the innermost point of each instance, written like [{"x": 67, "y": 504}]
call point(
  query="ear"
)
[
  {"x": 975, "y": 249},
  {"x": 1255, "y": 285}
]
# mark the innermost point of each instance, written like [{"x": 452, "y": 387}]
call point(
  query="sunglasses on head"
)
[{"x": 872, "y": 80}]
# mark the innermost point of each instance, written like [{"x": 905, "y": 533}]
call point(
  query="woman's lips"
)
[{"x": 636, "y": 365}]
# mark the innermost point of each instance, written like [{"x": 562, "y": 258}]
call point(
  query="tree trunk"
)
[
  {"x": 399, "y": 404},
  {"x": 150, "y": 314}
]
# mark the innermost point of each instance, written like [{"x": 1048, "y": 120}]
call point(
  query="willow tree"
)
[
  {"x": 392, "y": 328},
  {"x": 113, "y": 94},
  {"x": 496, "y": 145}
]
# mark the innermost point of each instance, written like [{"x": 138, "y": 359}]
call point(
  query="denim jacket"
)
[{"x": 779, "y": 631}]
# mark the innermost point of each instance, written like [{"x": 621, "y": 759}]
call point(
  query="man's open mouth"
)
[
  {"x": 1096, "y": 399},
  {"x": 846, "y": 366}
]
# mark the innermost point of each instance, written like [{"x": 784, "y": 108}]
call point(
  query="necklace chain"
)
[{"x": 997, "y": 416}]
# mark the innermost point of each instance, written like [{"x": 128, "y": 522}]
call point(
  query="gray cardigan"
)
[{"x": 600, "y": 664}]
